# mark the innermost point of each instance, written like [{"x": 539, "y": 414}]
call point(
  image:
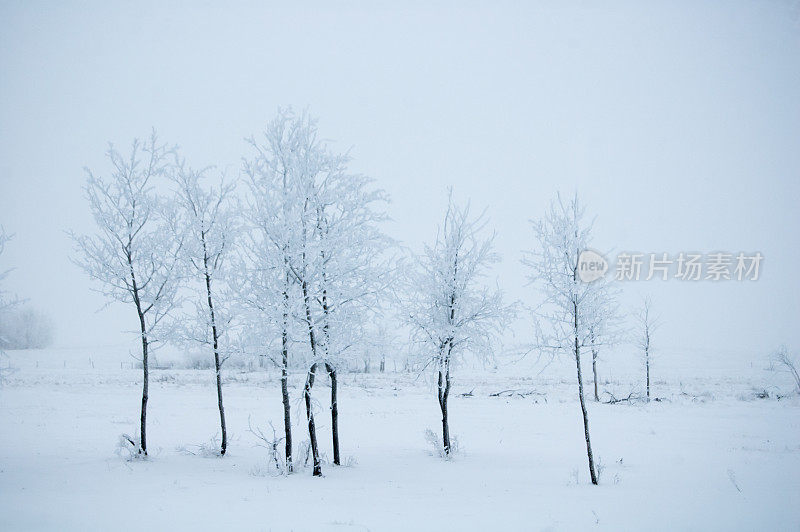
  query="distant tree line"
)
[{"x": 24, "y": 327}]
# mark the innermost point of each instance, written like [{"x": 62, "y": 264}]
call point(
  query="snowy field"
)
[{"x": 710, "y": 456}]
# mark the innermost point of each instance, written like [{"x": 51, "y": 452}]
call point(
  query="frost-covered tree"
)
[
  {"x": 604, "y": 332},
  {"x": 352, "y": 270},
  {"x": 208, "y": 222},
  {"x": 379, "y": 342},
  {"x": 572, "y": 308},
  {"x": 135, "y": 253},
  {"x": 270, "y": 245},
  {"x": 648, "y": 323},
  {"x": 449, "y": 307},
  {"x": 319, "y": 247}
]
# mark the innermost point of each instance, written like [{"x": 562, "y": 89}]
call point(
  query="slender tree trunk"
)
[
  {"x": 585, "y": 417},
  {"x": 594, "y": 372},
  {"x": 219, "y": 403},
  {"x": 145, "y": 362},
  {"x": 329, "y": 368},
  {"x": 217, "y": 363},
  {"x": 145, "y": 386},
  {"x": 647, "y": 354},
  {"x": 312, "y": 430},
  {"x": 287, "y": 423},
  {"x": 583, "y": 402},
  {"x": 446, "y": 351},
  {"x": 444, "y": 394},
  {"x": 647, "y": 368},
  {"x": 312, "y": 339},
  {"x": 594, "y": 363},
  {"x": 334, "y": 414},
  {"x": 383, "y": 363},
  {"x": 581, "y": 397}
]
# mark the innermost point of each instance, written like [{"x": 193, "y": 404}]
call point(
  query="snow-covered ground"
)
[{"x": 709, "y": 456}]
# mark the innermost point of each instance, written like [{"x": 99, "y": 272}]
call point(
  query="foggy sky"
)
[{"x": 678, "y": 124}]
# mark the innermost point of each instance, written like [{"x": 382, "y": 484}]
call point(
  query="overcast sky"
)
[{"x": 678, "y": 123}]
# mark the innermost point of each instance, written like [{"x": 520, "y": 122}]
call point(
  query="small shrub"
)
[
  {"x": 435, "y": 441},
  {"x": 276, "y": 464},
  {"x": 209, "y": 449},
  {"x": 783, "y": 361},
  {"x": 128, "y": 448}
]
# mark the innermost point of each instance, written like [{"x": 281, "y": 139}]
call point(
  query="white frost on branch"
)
[
  {"x": 571, "y": 309},
  {"x": 450, "y": 308},
  {"x": 573, "y": 312},
  {"x": 210, "y": 225},
  {"x": 134, "y": 255}
]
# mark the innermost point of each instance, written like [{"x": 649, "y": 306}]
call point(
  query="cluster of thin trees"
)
[
  {"x": 296, "y": 256},
  {"x": 299, "y": 256}
]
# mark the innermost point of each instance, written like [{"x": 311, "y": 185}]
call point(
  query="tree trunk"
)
[
  {"x": 312, "y": 430},
  {"x": 584, "y": 412},
  {"x": 647, "y": 367},
  {"x": 594, "y": 373},
  {"x": 383, "y": 363},
  {"x": 334, "y": 414},
  {"x": 146, "y": 379},
  {"x": 217, "y": 364},
  {"x": 145, "y": 362},
  {"x": 444, "y": 393},
  {"x": 445, "y": 427},
  {"x": 328, "y": 367},
  {"x": 287, "y": 423},
  {"x": 446, "y": 351},
  {"x": 594, "y": 364},
  {"x": 219, "y": 404},
  {"x": 647, "y": 356}
]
